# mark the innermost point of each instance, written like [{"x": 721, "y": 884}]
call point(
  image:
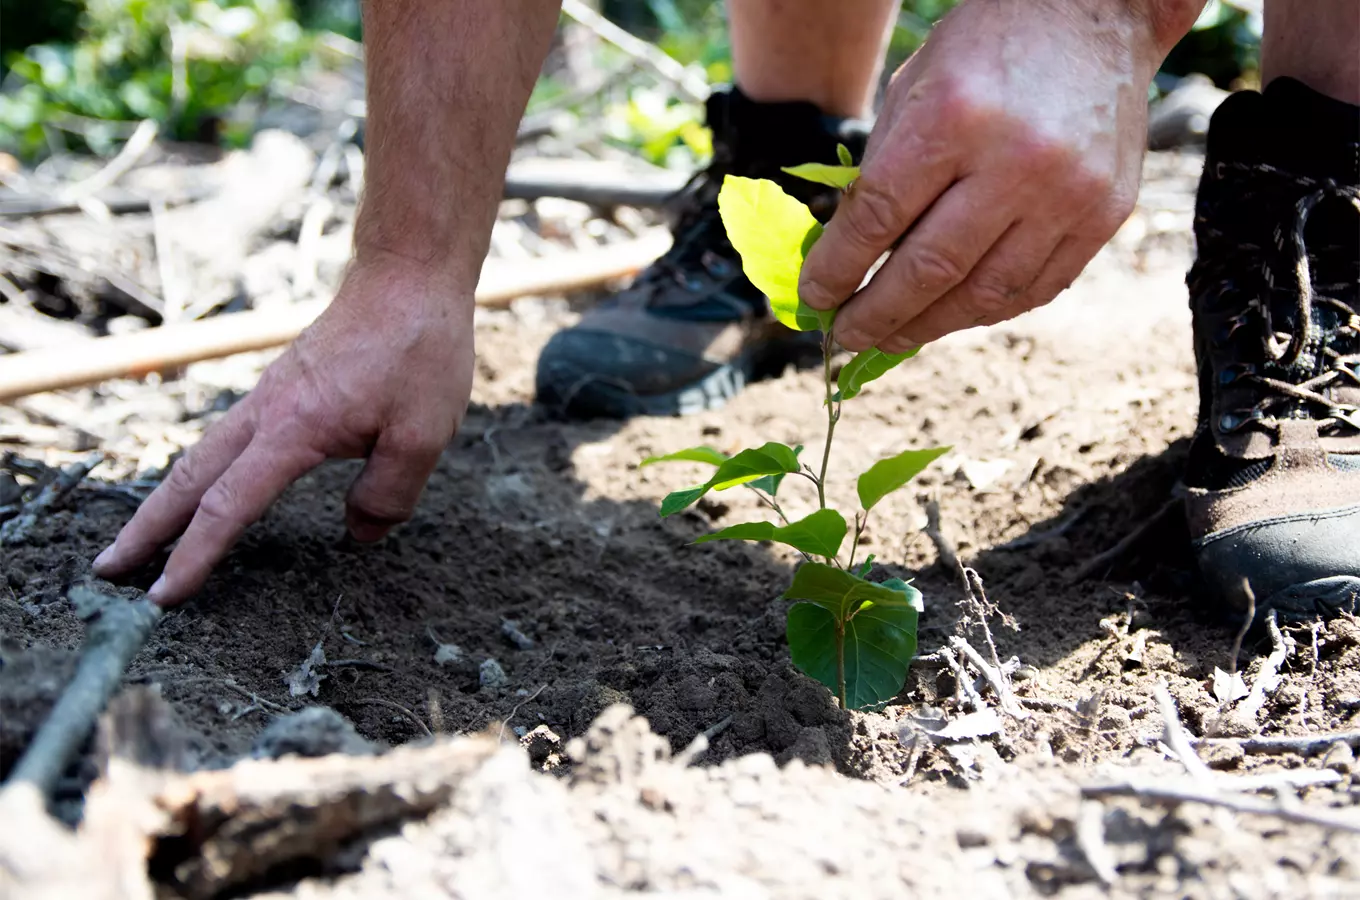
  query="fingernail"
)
[
  {"x": 104, "y": 558},
  {"x": 157, "y": 592}
]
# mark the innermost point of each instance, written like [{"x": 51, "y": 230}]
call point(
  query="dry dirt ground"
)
[{"x": 1069, "y": 427}]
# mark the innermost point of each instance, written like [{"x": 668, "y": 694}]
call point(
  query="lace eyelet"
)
[
  {"x": 1232, "y": 421},
  {"x": 1233, "y": 372}
]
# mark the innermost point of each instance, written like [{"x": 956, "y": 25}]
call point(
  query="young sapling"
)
[{"x": 855, "y": 636}]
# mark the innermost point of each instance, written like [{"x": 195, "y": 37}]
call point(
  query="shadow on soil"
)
[{"x": 615, "y": 607}]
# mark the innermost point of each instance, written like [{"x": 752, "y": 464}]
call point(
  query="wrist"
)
[{"x": 400, "y": 281}]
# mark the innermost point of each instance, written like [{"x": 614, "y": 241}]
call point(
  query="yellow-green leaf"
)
[
  {"x": 772, "y": 232},
  {"x": 831, "y": 176}
]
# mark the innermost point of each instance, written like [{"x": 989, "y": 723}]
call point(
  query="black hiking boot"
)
[
  {"x": 691, "y": 331},
  {"x": 1274, "y": 470}
]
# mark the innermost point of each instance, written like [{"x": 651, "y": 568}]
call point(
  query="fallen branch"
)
[
  {"x": 589, "y": 181},
  {"x": 225, "y": 828},
  {"x": 115, "y": 629},
  {"x": 16, "y": 530},
  {"x": 1102, "y": 562},
  {"x": 949, "y": 555},
  {"x": 1305, "y": 745},
  {"x": 1172, "y": 795},
  {"x": 132, "y": 151},
  {"x": 690, "y": 83},
  {"x": 168, "y": 347}
]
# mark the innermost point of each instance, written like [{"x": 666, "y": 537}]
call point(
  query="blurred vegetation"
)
[{"x": 75, "y": 73}]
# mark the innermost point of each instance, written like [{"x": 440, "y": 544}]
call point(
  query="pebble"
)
[{"x": 491, "y": 675}]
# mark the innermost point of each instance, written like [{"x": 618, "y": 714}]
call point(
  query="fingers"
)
[
  {"x": 167, "y": 512},
  {"x": 236, "y": 500},
  {"x": 895, "y": 188},
  {"x": 996, "y": 289},
  {"x": 1062, "y": 268},
  {"x": 937, "y": 254},
  {"x": 386, "y": 491}
]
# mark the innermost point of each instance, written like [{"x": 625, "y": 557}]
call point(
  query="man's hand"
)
[
  {"x": 1007, "y": 153},
  {"x": 384, "y": 373}
]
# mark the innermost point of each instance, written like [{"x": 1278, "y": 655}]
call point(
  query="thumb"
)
[{"x": 386, "y": 491}]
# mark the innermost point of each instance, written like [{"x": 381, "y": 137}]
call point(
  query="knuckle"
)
[
  {"x": 183, "y": 475},
  {"x": 933, "y": 269},
  {"x": 873, "y": 214},
  {"x": 221, "y": 503},
  {"x": 990, "y": 295}
]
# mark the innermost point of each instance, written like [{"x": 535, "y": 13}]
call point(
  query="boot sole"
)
[
  {"x": 1309, "y": 601},
  {"x": 598, "y": 396}
]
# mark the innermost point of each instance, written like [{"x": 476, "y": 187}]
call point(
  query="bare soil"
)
[{"x": 1069, "y": 428}]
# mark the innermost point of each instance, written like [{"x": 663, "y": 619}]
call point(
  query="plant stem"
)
[
  {"x": 854, "y": 545},
  {"x": 770, "y": 502},
  {"x": 833, "y": 413},
  {"x": 840, "y": 664}
]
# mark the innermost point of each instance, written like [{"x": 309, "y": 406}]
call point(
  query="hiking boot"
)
[
  {"x": 1274, "y": 469},
  {"x": 691, "y": 331}
]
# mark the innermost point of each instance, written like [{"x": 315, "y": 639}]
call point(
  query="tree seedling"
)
[{"x": 855, "y": 636}]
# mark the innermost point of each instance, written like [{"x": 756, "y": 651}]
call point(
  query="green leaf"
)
[
  {"x": 820, "y": 534},
  {"x": 843, "y": 154},
  {"x": 912, "y": 594},
  {"x": 678, "y": 500},
  {"x": 771, "y": 459},
  {"x": 770, "y": 483},
  {"x": 691, "y": 454},
  {"x": 772, "y": 232},
  {"x": 865, "y": 566},
  {"x": 880, "y": 642},
  {"x": 831, "y": 176},
  {"x": 867, "y": 366},
  {"x": 887, "y": 475},
  {"x": 838, "y": 591}
]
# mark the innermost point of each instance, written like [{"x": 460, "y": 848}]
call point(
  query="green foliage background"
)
[{"x": 67, "y": 66}]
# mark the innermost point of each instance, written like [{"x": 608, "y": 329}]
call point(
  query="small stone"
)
[
  {"x": 448, "y": 654},
  {"x": 313, "y": 731},
  {"x": 511, "y": 632},
  {"x": 1340, "y": 758},
  {"x": 969, "y": 836},
  {"x": 490, "y": 674}
]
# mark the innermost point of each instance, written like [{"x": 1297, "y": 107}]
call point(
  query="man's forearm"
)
[{"x": 447, "y": 83}]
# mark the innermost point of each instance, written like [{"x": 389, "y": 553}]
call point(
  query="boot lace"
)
[{"x": 1302, "y": 360}]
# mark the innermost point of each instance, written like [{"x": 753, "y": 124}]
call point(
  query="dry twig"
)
[
  {"x": 1101, "y": 562},
  {"x": 1268, "y": 678},
  {"x": 1175, "y": 737},
  {"x": 690, "y": 83},
  {"x": 115, "y": 629},
  {"x": 397, "y": 707},
  {"x": 16, "y": 530},
  {"x": 994, "y": 677},
  {"x": 1174, "y": 794}
]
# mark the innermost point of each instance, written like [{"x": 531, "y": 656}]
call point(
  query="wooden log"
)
[
  {"x": 597, "y": 183},
  {"x": 138, "y": 354}
]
